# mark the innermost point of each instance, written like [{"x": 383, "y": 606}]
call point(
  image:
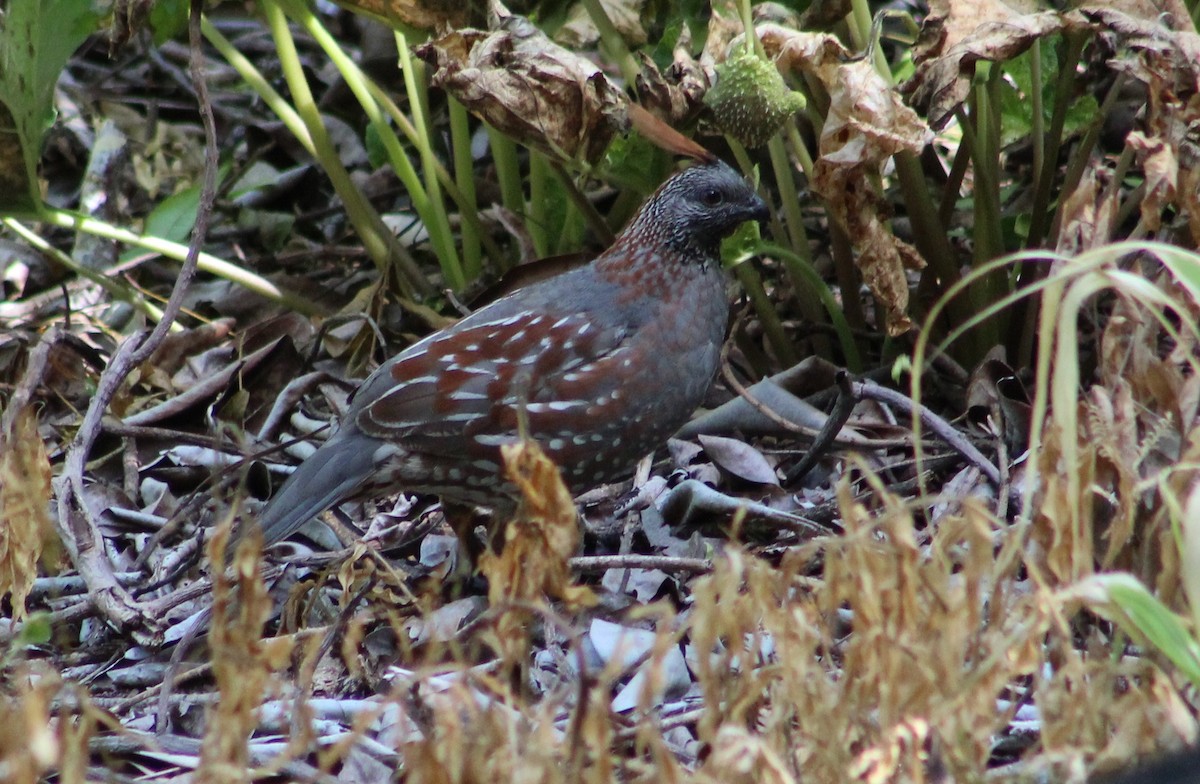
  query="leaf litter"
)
[{"x": 891, "y": 636}]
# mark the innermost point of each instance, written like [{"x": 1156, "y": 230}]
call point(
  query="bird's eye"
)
[{"x": 711, "y": 197}]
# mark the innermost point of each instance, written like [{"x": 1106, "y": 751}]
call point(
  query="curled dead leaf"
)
[
  {"x": 542, "y": 536},
  {"x": 955, "y": 36},
  {"x": 580, "y": 32},
  {"x": 538, "y": 544},
  {"x": 676, "y": 94},
  {"x": 1161, "y": 169},
  {"x": 421, "y": 14},
  {"x": 25, "y": 525},
  {"x": 865, "y": 126},
  {"x": 1088, "y": 213},
  {"x": 529, "y": 87}
]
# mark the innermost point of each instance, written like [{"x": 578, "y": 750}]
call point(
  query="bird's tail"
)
[{"x": 331, "y": 474}]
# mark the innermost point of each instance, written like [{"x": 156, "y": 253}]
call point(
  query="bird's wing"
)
[{"x": 463, "y": 388}]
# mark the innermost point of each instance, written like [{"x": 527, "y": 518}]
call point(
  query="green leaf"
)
[
  {"x": 37, "y": 37},
  {"x": 1185, "y": 266},
  {"x": 274, "y": 228},
  {"x": 742, "y": 245},
  {"x": 168, "y": 19},
  {"x": 1150, "y": 618},
  {"x": 175, "y": 215},
  {"x": 35, "y": 631},
  {"x": 1016, "y": 107}
]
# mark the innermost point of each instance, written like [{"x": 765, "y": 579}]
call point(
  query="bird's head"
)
[{"x": 697, "y": 208}]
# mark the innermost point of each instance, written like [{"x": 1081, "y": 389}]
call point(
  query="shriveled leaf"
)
[
  {"x": 421, "y": 14},
  {"x": 1088, "y": 214},
  {"x": 542, "y": 536},
  {"x": 25, "y": 525},
  {"x": 538, "y": 543},
  {"x": 676, "y": 93},
  {"x": 866, "y": 125},
  {"x": 580, "y": 32},
  {"x": 530, "y": 88},
  {"x": 998, "y": 403},
  {"x": 956, "y": 35},
  {"x": 1161, "y": 167}
]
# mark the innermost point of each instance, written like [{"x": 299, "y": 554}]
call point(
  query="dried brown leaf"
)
[
  {"x": 865, "y": 126},
  {"x": 676, "y": 95},
  {"x": 956, "y": 35},
  {"x": 242, "y": 660},
  {"x": 542, "y": 537},
  {"x": 25, "y": 525},
  {"x": 529, "y": 87},
  {"x": 421, "y": 14},
  {"x": 1161, "y": 168},
  {"x": 1087, "y": 214},
  {"x": 579, "y": 31},
  {"x": 29, "y": 744},
  {"x": 538, "y": 544}
]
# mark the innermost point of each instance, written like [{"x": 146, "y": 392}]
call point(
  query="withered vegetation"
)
[{"x": 975, "y": 557}]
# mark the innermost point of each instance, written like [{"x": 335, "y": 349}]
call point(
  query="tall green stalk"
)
[{"x": 377, "y": 240}]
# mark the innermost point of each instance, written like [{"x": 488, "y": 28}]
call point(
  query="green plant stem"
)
[
  {"x": 177, "y": 252},
  {"x": 781, "y": 167},
  {"x": 929, "y": 235},
  {"x": 1038, "y": 134},
  {"x": 1082, "y": 153},
  {"x": 378, "y": 242},
  {"x": 1063, "y": 97},
  {"x": 954, "y": 181},
  {"x": 414, "y": 85},
  {"x": 980, "y": 135},
  {"x": 257, "y": 82},
  {"x": 508, "y": 171},
  {"x": 1027, "y": 275},
  {"x": 977, "y": 138},
  {"x": 295, "y": 125},
  {"x": 776, "y": 335},
  {"x": 803, "y": 271},
  {"x": 862, "y": 31},
  {"x": 539, "y": 194},
  {"x": 426, "y": 203},
  {"x": 754, "y": 46},
  {"x": 467, "y": 209},
  {"x": 583, "y": 209},
  {"x": 464, "y": 176},
  {"x": 846, "y": 272},
  {"x": 572, "y": 235},
  {"x": 612, "y": 42},
  {"x": 799, "y": 150},
  {"x": 806, "y": 299},
  {"x": 115, "y": 288}
]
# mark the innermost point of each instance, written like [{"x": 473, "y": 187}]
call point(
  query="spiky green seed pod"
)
[{"x": 750, "y": 101}]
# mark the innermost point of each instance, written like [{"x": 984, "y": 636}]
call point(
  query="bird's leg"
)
[{"x": 464, "y": 519}]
